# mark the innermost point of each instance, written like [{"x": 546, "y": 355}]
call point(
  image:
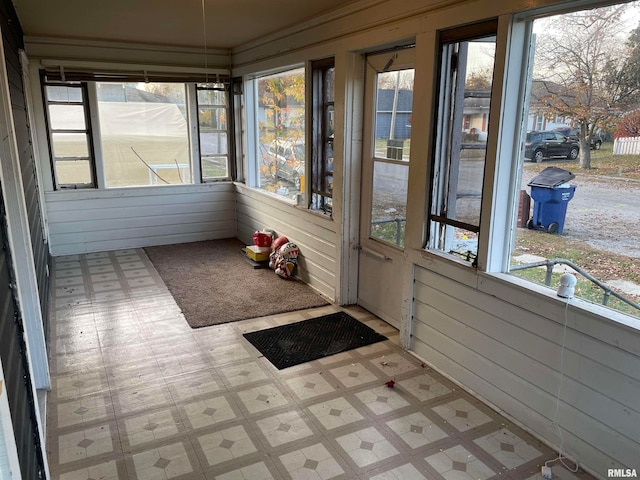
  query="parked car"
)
[
  {"x": 594, "y": 144},
  {"x": 285, "y": 160},
  {"x": 550, "y": 144}
]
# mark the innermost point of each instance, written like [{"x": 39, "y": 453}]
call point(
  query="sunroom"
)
[{"x": 386, "y": 139}]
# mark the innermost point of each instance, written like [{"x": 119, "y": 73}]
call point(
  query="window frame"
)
[
  {"x": 251, "y": 109},
  {"x": 88, "y": 82},
  {"x": 88, "y": 131},
  {"x": 228, "y": 131},
  {"x": 441, "y": 160},
  {"x": 321, "y": 197}
]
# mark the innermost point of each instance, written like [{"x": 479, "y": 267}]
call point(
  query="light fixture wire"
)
[{"x": 204, "y": 34}]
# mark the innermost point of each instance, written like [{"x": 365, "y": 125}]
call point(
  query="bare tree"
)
[{"x": 578, "y": 64}]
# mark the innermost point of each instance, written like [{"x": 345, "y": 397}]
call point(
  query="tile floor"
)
[{"x": 137, "y": 394}]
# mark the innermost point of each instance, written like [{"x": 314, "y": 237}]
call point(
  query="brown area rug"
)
[{"x": 213, "y": 283}]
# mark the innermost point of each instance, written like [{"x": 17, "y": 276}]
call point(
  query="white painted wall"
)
[
  {"x": 314, "y": 234},
  {"x": 84, "y": 221}
]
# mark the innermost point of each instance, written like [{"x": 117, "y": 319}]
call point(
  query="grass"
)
[
  {"x": 603, "y": 163},
  {"x": 602, "y": 265}
]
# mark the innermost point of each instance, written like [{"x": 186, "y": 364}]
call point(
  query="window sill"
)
[
  {"x": 525, "y": 294},
  {"x": 264, "y": 194}
]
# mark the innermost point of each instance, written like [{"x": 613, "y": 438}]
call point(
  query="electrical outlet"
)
[{"x": 546, "y": 473}]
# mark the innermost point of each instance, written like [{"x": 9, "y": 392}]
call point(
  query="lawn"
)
[
  {"x": 603, "y": 163},
  {"x": 602, "y": 265}
]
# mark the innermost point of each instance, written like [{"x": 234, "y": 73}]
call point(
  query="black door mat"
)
[{"x": 301, "y": 342}]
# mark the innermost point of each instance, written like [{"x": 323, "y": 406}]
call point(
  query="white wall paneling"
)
[
  {"x": 94, "y": 220},
  {"x": 314, "y": 234},
  {"x": 510, "y": 356}
]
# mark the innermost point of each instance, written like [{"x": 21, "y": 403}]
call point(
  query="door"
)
[{"x": 385, "y": 174}]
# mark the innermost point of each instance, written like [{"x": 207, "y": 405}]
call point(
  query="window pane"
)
[
  {"x": 211, "y": 118},
  {"x": 144, "y": 133},
  {"x": 64, "y": 94},
  {"x": 280, "y": 108},
  {"x": 214, "y": 167},
  {"x": 589, "y": 225},
  {"x": 67, "y": 117},
  {"x": 213, "y": 125},
  {"x": 329, "y": 84},
  {"x": 388, "y": 211},
  {"x": 211, "y": 97},
  {"x": 463, "y": 124},
  {"x": 72, "y": 172},
  {"x": 393, "y": 114},
  {"x": 70, "y": 145}
]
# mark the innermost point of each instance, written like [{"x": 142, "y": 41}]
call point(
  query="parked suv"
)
[
  {"x": 286, "y": 161},
  {"x": 541, "y": 145},
  {"x": 594, "y": 144}
]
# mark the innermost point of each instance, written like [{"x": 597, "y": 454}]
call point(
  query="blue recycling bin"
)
[{"x": 551, "y": 194}]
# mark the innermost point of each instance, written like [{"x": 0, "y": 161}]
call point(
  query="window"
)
[
  {"x": 70, "y": 138},
  {"x": 213, "y": 112},
  {"x": 587, "y": 225},
  {"x": 280, "y": 110},
  {"x": 138, "y": 134},
  {"x": 143, "y": 134},
  {"x": 323, "y": 128},
  {"x": 464, "y": 98}
]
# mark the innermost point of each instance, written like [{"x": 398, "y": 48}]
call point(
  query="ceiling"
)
[{"x": 228, "y": 23}]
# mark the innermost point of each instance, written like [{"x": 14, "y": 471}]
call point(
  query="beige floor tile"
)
[
  {"x": 508, "y": 448},
  {"x": 424, "y": 387},
  {"x": 404, "y": 472},
  {"x": 382, "y": 400},
  {"x": 284, "y": 428},
  {"x": 257, "y": 471},
  {"x": 367, "y": 446},
  {"x": 353, "y": 375},
  {"x": 226, "y": 445},
  {"x": 207, "y": 412},
  {"x": 457, "y": 463},
  {"x": 335, "y": 413},
  {"x": 162, "y": 463},
  {"x": 150, "y": 427},
  {"x": 138, "y": 394},
  {"x": 462, "y": 415},
  {"x": 262, "y": 398},
  {"x": 85, "y": 443},
  {"x": 309, "y": 386},
  {"x": 103, "y": 471},
  {"x": 314, "y": 462},
  {"x": 416, "y": 430}
]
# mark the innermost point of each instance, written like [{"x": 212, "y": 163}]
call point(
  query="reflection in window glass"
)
[
  {"x": 144, "y": 134},
  {"x": 281, "y": 142},
  {"x": 463, "y": 124}
]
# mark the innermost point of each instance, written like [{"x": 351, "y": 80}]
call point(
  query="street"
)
[{"x": 604, "y": 212}]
